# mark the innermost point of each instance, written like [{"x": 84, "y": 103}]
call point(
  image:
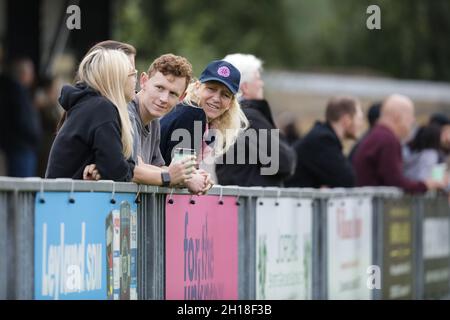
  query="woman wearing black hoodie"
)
[{"x": 97, "y": 128}]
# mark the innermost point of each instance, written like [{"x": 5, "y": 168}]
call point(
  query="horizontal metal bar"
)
[{"x": 38, "y": 184}]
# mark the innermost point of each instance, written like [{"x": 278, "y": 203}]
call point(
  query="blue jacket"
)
[{"x": 183, "y": 127}]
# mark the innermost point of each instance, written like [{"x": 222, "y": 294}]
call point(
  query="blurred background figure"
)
[
  {"x": 290, "y": 127},
  {"x": 49, "y": 111},
  {"x": 421, "y": 154},
  {"x": 320, "y": 158},
  {"x": 441, "y": 120},
  {"x": 426, "y": 155},
  {"x": 258, "y": 112},
  {"x": 20, "y": 129},
  {"x": 2, "y": 155},
  {"x": 378, "y": 161},
  {"x": 372, "y": 117}
]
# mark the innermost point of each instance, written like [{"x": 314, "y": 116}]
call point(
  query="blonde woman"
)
[
  {"x": 97, "y": 127},
  {"x": 210, "y": 117}
]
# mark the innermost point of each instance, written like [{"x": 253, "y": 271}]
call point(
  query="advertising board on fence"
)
[
  {"x": 202, "y": 248},
  {"x": 85, "y": 248},
  {"x": 436, "y": 248},
  {"x": 283, "y": 248},
  {"x": 398, "y": 259},
  {"x": 349, "y": 247}
]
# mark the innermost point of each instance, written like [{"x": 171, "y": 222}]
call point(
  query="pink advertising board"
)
[{"x": 201, "y": 248}]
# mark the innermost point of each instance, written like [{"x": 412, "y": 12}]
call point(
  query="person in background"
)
[
  {"x": 320, "y": 158},
  {"x": 242, "y": 171},
  {"x": 46, "y": 102},
  {"x": 20, "y": 129},
  {"x": 378, "y": 161},
  {"x": 441, "y": 120},
  {"x": 2, "y": 155},
  {"x": 289, "y": 126},
  {"x": 372, "y": 117},
  {"x": 421, "y": 154}
]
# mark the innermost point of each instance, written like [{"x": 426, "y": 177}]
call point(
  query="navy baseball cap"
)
[{"x": 223, "y": 72}]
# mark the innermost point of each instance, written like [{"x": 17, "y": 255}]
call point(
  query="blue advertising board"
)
[{"x": 70, "y": 244}]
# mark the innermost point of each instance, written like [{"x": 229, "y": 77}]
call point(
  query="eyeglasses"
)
[{"x": 133, "y": 73}]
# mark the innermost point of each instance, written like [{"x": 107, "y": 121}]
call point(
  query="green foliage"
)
[
  {"x": 203, "y": 31},
  {"x": 295, "y": 34},
  {"x": 411, "y": 44}
]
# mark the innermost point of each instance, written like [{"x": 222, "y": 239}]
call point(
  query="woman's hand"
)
[{"x": 91, "y": 173}]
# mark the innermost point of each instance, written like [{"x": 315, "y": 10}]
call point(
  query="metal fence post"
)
[
  {"x": 152, "y": 246},
  {"x": 247, "y": 247},
  {"x": 377, "y": 239},
  {"x": 418, "y": 247},
  {"x": 22, "y": 266},
  {"x": 320, "y": 267},
  {"x": 3, "y": 244},
  {"x": 160, "y": 245},
  {"x": 143, "y": 282}
]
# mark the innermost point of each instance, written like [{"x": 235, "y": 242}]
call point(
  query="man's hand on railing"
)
[
  {"x": 435, "y": 185},
  {"x": 196, "y": 184},
  {"x": 209, "y": 182},
  {"x": 181, "y": 171},
  {"x": 91, "y": 173},
  {"x": 200, "y": 182}
]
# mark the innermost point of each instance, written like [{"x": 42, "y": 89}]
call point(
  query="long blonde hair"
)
[
  {"x": 107, "y": 72},
  {"x": 230, "y": 124}
]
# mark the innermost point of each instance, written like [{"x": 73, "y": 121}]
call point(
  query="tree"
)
[{"x": 296, "y": 34}]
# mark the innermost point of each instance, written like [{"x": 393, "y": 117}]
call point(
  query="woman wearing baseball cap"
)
[{"x": 210, "y": 118}]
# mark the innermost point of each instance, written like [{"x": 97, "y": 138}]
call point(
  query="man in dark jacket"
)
[
  {"x": 261, "y": 156},
  {"x": 320, "y": 160}
]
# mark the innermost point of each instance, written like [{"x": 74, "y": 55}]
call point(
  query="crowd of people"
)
[{"x": 109, "y": 131}]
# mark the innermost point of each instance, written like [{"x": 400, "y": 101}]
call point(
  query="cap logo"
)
[{"x": 223, "y": 71}]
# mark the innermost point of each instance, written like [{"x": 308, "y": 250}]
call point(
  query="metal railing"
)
[{"x": 390, "y": 222}]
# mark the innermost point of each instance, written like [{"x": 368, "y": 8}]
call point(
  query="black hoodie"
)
[{"x": 91, "y": 134}]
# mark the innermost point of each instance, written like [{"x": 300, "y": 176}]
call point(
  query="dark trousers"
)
[{"x": 21, "y": 162}]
